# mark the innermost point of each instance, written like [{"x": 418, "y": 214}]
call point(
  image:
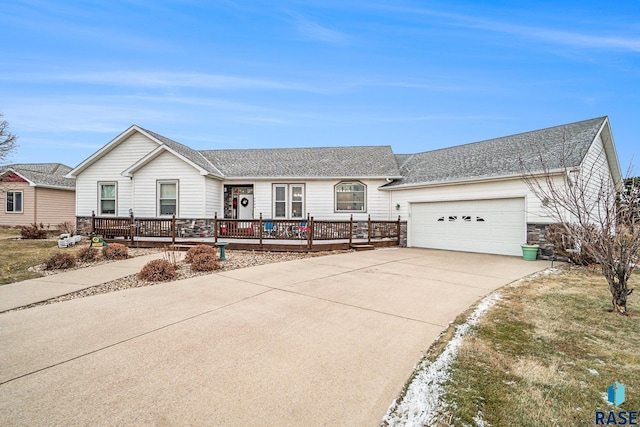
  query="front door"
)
[{"x": 245, "y": 206}]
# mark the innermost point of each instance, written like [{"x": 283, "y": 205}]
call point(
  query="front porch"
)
[{"x": 307, "y": 235}]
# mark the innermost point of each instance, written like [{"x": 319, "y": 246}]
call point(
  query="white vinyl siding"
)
[
  {"x": 109, "y": 168},
  {"x": 511, "y": 188},
  {"x": 595, "y": 178},
  {"x": 213, "y": 198},
  {"x": 320, "y": 197},
  {"x": 169, "y": 168}
]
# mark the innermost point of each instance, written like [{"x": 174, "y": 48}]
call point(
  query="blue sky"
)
[{"x": 416, "y": 75}]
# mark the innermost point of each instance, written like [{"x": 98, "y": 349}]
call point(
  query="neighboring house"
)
[
  {"x": 468, "y": 197},
  {"x": 36, "y": 193}
]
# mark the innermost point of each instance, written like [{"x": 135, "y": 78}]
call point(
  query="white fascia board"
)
[
  {"x": 610, "y": 150},
  {"x": 31, "y": 183},
  {"x": 155, "y": 153},
  {"x": 104, "y": 150},
  {"x": 468, "y": 181},
  {"x": 304, "y": 178},
  {"x": 56, "y": 187}
]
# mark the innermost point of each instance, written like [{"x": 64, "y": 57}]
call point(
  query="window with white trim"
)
[
  {"x": 168, "y": 198},
  {"x": 351, "y": 197},
  {"x": 108, "y": 192},
  {"x": 14, "y": 202},
  {"x": 288, "y": 201}
]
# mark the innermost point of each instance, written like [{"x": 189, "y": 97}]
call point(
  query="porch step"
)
[{"x": 363, "y": 247}]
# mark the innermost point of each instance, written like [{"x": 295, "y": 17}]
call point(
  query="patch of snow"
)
[
  {"x": 593, "y": 371},
  {"x": 423, "y": 401},
  {"x": 546, "y": 272},
  {"x": 478, "y": 420}
]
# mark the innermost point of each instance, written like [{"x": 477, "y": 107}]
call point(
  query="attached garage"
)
[{"x": 494, "y": 226}]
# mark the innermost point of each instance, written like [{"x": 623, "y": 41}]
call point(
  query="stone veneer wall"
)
[
  {"x": 537, "y": 235},
  {"x": 83, "y": 225},
  {"x": 403, "y": 234}
]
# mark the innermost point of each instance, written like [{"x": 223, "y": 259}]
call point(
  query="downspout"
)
[
  {"x": 133, "y": 195},
  {"x": 390, "y": 207}
]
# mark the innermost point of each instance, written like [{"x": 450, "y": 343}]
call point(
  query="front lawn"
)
[
  {"x": 543, "y": 355},
  {"x": 16, "y": 256}
]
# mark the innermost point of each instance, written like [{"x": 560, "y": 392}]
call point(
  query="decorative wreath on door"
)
[{"x": 244, "y": 202}]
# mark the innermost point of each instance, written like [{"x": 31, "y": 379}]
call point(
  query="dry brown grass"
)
[
  {"x": 16, "y": 256},
  {"x": 546, "y": 353}
]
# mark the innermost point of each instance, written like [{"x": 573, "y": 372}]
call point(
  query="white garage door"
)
[{"x": 495, "y": 226}]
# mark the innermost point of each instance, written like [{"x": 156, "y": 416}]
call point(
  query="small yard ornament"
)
[{"x": 97, "y": 242}]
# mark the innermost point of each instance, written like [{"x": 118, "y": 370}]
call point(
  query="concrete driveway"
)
[{"x": 320, "y": 341}]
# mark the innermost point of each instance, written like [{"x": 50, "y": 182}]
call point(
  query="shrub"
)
[
  {"x": 60, "y": 261},
  {"x": 565, "y": 246},
  {"x": 205, "y": 262},
  {"x": 158, "y": 270},
  {"x": 172, "y": 254},
  {"x": 67, "y": 227},
  {"x": 115, "y": 251},
  {"x": 33, "y": 231},
  {"x": 87, "y": 254},
  {"x": 200, "y": 249}
]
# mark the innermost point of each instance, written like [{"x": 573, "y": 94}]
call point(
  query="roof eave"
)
[
  {"x": 104, "y": 150},
  {"x": 30, "y": 182},
  {"x": 305, "y": 178},
  {"x": 468, "y": 180},
  {"x": 610, "y": 150},
  {"x": 56, "y": 187},
  {"x": 131, "y": 170}
]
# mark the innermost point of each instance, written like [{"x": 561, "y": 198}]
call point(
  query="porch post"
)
[
  {"x": 350, "y": 231},
  {"x": 311, "y": 227},
  {"x": 93, "y": 222},
  {"x": 131, "y": 233},
  {"x": 173, "y": 229},
  {"x": 369, "y": 230},
  {"x": 260, "y": 231},
  {"x": 215, "y": 227},
  {"x": 398, "y": 230}
]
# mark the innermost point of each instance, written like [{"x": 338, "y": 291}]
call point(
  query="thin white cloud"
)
[
  {"x": 550, "y": 35},
  {"x": 317, "y": 32},
  {"x": 561, "y": 37},
  {"x": 157, "y": 79}
]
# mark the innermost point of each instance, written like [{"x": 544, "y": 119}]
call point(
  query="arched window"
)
[{"x": 351, "y": 197}]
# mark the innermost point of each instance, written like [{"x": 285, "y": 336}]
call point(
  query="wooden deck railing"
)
[{"x": 305, "y": 230}]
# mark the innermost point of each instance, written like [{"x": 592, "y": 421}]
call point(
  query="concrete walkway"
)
[
  {"x": 31, "y": 291},
  {"x": 319, "y": 341}
]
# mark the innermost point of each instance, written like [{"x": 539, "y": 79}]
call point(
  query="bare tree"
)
[
  {"x": 597, "y": 215},
  {"x": 7, "y": 140}
]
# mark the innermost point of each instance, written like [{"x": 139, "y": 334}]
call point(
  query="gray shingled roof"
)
[
  {"x": 44, "y": 174},
  {"x": 187, "y": 152},
  {"x": 306, "y": 162},
  {"x": 500, "y": 156}
]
